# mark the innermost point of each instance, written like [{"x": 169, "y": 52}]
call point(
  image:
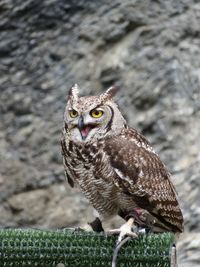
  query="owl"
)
[{"x": 115, "y": 166}]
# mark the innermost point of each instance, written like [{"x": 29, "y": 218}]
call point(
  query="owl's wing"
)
[{"x": 140, "y": 173}]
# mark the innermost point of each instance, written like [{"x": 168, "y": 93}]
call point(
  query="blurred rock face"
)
[{"x": 149, "y": 48}]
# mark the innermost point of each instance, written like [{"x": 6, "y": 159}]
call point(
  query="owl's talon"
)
[
  {"x": 79, "y": 229},
  {"x": 84, "y": 228},
  {"x": 95, "y": 226},
  {"x": 124, "y": 230}
]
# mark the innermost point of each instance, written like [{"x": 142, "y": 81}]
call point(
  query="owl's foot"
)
[
  {"x": 95, "y": 226},
  {"x": 125, "y": 230}
]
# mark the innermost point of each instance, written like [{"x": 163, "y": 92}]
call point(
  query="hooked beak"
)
[{"x": 81, "y": 123}]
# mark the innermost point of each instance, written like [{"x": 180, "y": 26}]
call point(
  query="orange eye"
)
[
  {"x": 96, "y": 113},
  {"x": 73, "y": 113}
]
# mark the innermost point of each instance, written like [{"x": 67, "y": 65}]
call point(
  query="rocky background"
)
[{"x": 151, "y": 49}]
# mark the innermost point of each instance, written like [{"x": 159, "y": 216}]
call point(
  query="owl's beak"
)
[
  {"x": 81, "y": 123},
  {"x": 84, "y": 128}
]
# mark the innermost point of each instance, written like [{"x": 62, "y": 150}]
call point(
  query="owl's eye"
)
[
  {"x": 73, "y": 113},
  {"x": 96, "y": 113}
]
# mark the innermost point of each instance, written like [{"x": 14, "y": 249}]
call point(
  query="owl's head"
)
[{"x": 92, "y": 117}]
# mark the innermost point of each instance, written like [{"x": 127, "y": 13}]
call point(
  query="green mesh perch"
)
[{"x": 24, "y": 247}]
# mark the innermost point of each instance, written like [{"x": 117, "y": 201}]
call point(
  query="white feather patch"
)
[{"x": 122, "y": 176}]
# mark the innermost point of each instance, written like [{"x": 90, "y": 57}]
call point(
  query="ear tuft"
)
[
  {"x": 109, "y": 94},
  {"x": 73, "y": 93},
  {"x": 112, "y": 90}
]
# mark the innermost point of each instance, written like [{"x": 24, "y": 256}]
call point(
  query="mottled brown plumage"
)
[{"x": 115, "y": 166}]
